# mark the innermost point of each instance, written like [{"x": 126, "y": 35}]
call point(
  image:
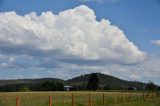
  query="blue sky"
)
[{"x": 138, "y": 19}]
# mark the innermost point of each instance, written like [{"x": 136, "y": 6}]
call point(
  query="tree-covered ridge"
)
[
  {"x": 108, "y": 81},
  {"x": 104, "y": 82}
]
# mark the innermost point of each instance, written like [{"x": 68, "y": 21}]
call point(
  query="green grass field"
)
[{"x": 80, "y": 99}]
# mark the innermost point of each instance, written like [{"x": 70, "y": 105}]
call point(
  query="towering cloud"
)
[{"x": 74, "y": 32}]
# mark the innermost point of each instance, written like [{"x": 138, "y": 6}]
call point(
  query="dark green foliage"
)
[
  {"x": 52, "y": 86},
  {"x": 16, "y": 87},
  {"x": 93, "y": 82},
  {"x": 45, "y": 86},
  {"x": 112, "y": 82},
  {"x": 24, "y": 88},
  {"x": 107, "y": 87},
  {"x": 106, "y": 82},
  {"x": 150, "y": 86},
  {"x": 59, "y": 86},
  {"x": 21, "y": 84},
  {"x": 48, "y": 86},
  {"x": 29, "y": 81}
]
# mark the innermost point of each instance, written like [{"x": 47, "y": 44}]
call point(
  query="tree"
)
[
  {"x": 107, "y": 87},
  {"x": 48, "y": 86},
  {"x": 158, "y": 88},
  {"x": 59, "y": 86},
  {"x": 150, "y": 86},
  {"x": 93, "y": 82},
  {"x": 24, "y": 88},
  {"x": 52, "y": 86}
]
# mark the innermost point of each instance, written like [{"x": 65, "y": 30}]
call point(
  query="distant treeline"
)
[
  {"x": 57, "y": 86},
  {"x": 45, "y": 86},
  {"x": 94, "y": 81}
]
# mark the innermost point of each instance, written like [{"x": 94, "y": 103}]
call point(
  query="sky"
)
[{"x": 67, "y": 38}]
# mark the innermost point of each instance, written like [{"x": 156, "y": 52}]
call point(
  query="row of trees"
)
[
  {"x": 93, "y": 84},
  {"x": 52, "y": 86},
  {"x": 45, "y": 86}
]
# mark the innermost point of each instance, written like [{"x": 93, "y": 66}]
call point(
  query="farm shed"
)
[{"x": 70, "y": 88}]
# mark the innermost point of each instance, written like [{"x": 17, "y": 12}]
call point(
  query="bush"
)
[
  {"x": 24, "y": 89},
  {"x": 52, "y": 86}
]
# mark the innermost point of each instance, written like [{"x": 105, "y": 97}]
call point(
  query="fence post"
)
[
  {"x": 103, "y": 98},
  {"x": 90, "y": 100},
  {"x": 50, "y": 101},
  {"x": 17, "y": 101},
  {"x": 72, "y": 99}
]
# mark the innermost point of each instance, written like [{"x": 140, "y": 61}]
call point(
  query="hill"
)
[
  {"x": 28, "y": 81},
  {"x": 80, "y": 82},
  {"x": 106, "y": 80},
  {"x": 26, "y": 84}
]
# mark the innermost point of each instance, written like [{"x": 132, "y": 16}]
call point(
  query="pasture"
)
[{"x": 79, "y": 99}]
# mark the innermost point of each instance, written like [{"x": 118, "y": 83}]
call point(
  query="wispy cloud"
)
[{"x": 156, "y": 42}]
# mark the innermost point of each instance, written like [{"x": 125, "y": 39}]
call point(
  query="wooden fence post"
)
[
  {"x": 103, "y": 98},
  {"x": 90, "y": 100},
  {"x": 17, "y": 101},
  {"x": 72, "y": 99},
  {"x": 50, "y": 101}
]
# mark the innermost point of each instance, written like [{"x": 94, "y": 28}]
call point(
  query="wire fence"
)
[{"x": 78, "y": 99}]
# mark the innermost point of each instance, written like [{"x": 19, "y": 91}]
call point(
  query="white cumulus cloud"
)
[{"x": 74, "y": 32}]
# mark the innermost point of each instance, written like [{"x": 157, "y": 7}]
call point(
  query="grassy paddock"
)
[{"x": 80, "y": 99}]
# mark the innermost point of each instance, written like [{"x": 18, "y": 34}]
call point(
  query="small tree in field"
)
[{"x": 93, "y": 82}]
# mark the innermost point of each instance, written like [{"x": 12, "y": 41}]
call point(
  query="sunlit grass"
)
[{"x": 80, "y": 99}]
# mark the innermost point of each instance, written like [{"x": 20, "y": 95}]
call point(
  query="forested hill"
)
[
  {"x": 107, "y": 80},
  {"x": 80, "y": 82},
  {"x": 28, "y": 81}
]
